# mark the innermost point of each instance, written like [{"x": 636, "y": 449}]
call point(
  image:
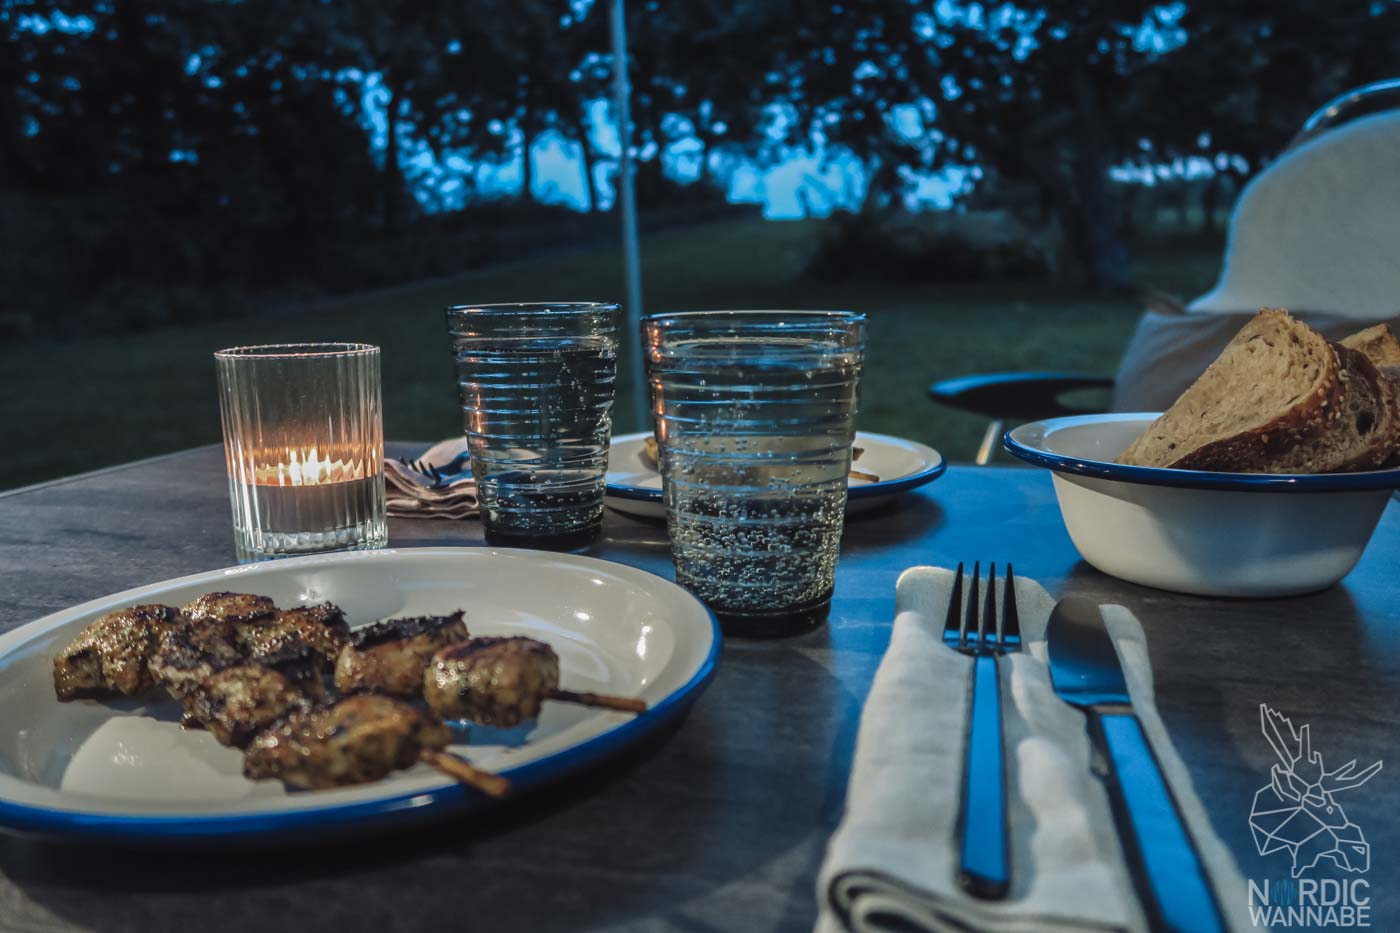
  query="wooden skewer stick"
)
[
  {"x": 622, "y": 704},
  {"x": 861, "y": 474},
  {"x": 464, "y": 771}
]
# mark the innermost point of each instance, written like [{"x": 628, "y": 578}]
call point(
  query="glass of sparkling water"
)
[
  {"x": 754, "y": 414},
  {"x": 304, "y": 445},
  {"x": 536, "y": 384}
]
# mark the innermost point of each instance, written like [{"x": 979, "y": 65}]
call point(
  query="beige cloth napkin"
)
[
  {"x": 408, "y": 494},
  {"x": 891, "y": 864}
]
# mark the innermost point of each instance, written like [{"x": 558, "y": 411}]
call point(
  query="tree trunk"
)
[
  {"x": 393, "y": 172},
  {"x": 1182, "y": 190},
  {"x": 1210, "y": 202},
  {"x": 1090, "y": 225},
  {"x": 705, "y": 143},
  {"x": 590, "y": 181},
  {"x": 527, "y": 172},
  {"x": 1128, "y": 206},
  {"x": 527, "y": 141},
  {"x": 1088, "y": 213}
]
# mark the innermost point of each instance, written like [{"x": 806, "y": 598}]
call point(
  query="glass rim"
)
[
  {"x": 534, "y": 307},
  {"x": 290, "y": 351},
  {"x": 799, "y": 315}
]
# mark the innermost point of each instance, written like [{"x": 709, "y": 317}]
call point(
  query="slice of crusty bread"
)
[
  {"x": 1390, "y": 381},
  {"x": 1360, "y": 439},
  {"x": 1381, "y": 347},
  {"x": 1378, "y": 343},
  {"x": 1276, "y": 383}
]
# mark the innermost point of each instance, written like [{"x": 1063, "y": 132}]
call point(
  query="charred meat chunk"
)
[
  {"x": 229, "y": 607},
  {"x": 493, "y": 681},
  {"x": 389, "y": 657},
  {"x": 238, "y": 702},
  {"x": 360, "y": 739},
  {"x": 190, "y": 652},
  {"x": 319, "y": 629},
  {"x": 112, "y": 655}
]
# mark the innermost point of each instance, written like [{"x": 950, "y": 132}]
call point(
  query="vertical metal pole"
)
[{"x": 627, "y": 202}]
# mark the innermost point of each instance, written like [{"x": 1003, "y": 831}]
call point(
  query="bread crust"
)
[
  {"x": 1390, "y": 386},
  {"x": 1249, "y": 450},
  {"x": 1378, "y": 343},
  {"x": 1387, "y": 437},
  {"x": 1347, "y": 445}
]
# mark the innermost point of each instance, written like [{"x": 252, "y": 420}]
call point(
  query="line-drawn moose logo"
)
[{"x": 1297, "y": 809}]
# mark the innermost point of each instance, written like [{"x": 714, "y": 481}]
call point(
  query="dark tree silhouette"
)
[{"x": 228, "y": 148}]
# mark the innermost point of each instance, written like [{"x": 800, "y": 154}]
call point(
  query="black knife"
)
[{"x": 1086, "y": 672}]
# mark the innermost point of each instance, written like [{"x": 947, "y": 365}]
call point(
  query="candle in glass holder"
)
[
  {"x": 304, "y": 492},
  {"x": 304, "y": 443}
]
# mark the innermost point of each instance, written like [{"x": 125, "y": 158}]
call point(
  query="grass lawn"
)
[{"x": 80, "y": 406}]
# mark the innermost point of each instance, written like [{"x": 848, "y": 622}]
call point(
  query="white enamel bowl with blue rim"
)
[
  {"x": 124, "y": 771},
  {"x": 1191, "y": 531},
  {"x": 634, "y": 485}
]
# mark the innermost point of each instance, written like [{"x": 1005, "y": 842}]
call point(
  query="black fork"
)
[{"x": 984, "y": 864}]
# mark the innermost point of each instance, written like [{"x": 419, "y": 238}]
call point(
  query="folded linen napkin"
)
[
  {"x": 892, "y": 863},
  {"x": 408, "y": 494}
]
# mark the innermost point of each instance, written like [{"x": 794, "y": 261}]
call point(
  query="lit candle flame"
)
[
  {"x": 309, "y": 467},
  {"x": 307, "y": 470}
]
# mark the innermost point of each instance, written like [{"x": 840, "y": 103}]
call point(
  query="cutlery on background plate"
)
[
  {"x": 444, "y": 475},
  {"x": 984, "y": 864},
  {"x": 1086, "y": 673}
]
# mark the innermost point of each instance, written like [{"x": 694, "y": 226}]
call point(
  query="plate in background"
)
[{"x": 634, "y": 485}]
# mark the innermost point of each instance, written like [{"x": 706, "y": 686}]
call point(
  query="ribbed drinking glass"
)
[
  {"x": 536, "y": 383},
  {"x": 304, "y": 444},
  {"x": 755, "y": 413}
]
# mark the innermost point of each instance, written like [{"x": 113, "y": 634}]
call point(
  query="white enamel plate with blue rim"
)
[
  {"x": 125, "y": 771},
  {"x": 634, "y": 485}
]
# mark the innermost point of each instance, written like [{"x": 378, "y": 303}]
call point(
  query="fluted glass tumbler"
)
[
  {"x": 304, "y": 445},
  {"x": 536, "y": 384},
  {"x": 754, "y": 414}
]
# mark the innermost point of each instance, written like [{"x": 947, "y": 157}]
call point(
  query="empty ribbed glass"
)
[
  {"x": 304, "y": 444},
  {"x": 536, "y": 384},
  {"x": 754, "y": 419}
]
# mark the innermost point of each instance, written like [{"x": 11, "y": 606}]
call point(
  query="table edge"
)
[{"x": 115, "y": 468}]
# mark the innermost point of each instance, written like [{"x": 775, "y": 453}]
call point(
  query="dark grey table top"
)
[{"x": 722, "y": 824}]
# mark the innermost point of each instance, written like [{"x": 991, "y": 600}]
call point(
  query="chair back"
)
[{"x": 1316, "y": 231}]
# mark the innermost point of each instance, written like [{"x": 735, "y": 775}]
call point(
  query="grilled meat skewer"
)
[
  {"x": 111, "y": 655},
  {"x": 389, "y": 657},
  {"x": 503, "y": 682},
  {"x": 221, "y": 630},
  {"x": 239, "y": 701},
  {"x": 265, "y": 630},
  {"x": 357, "y": 740},
  {"x": 249, "y": 672},
  {"x": 321, "y": 629},
  {"x": 274, "y": 701},
  {"x": 494, "y": 681}
]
